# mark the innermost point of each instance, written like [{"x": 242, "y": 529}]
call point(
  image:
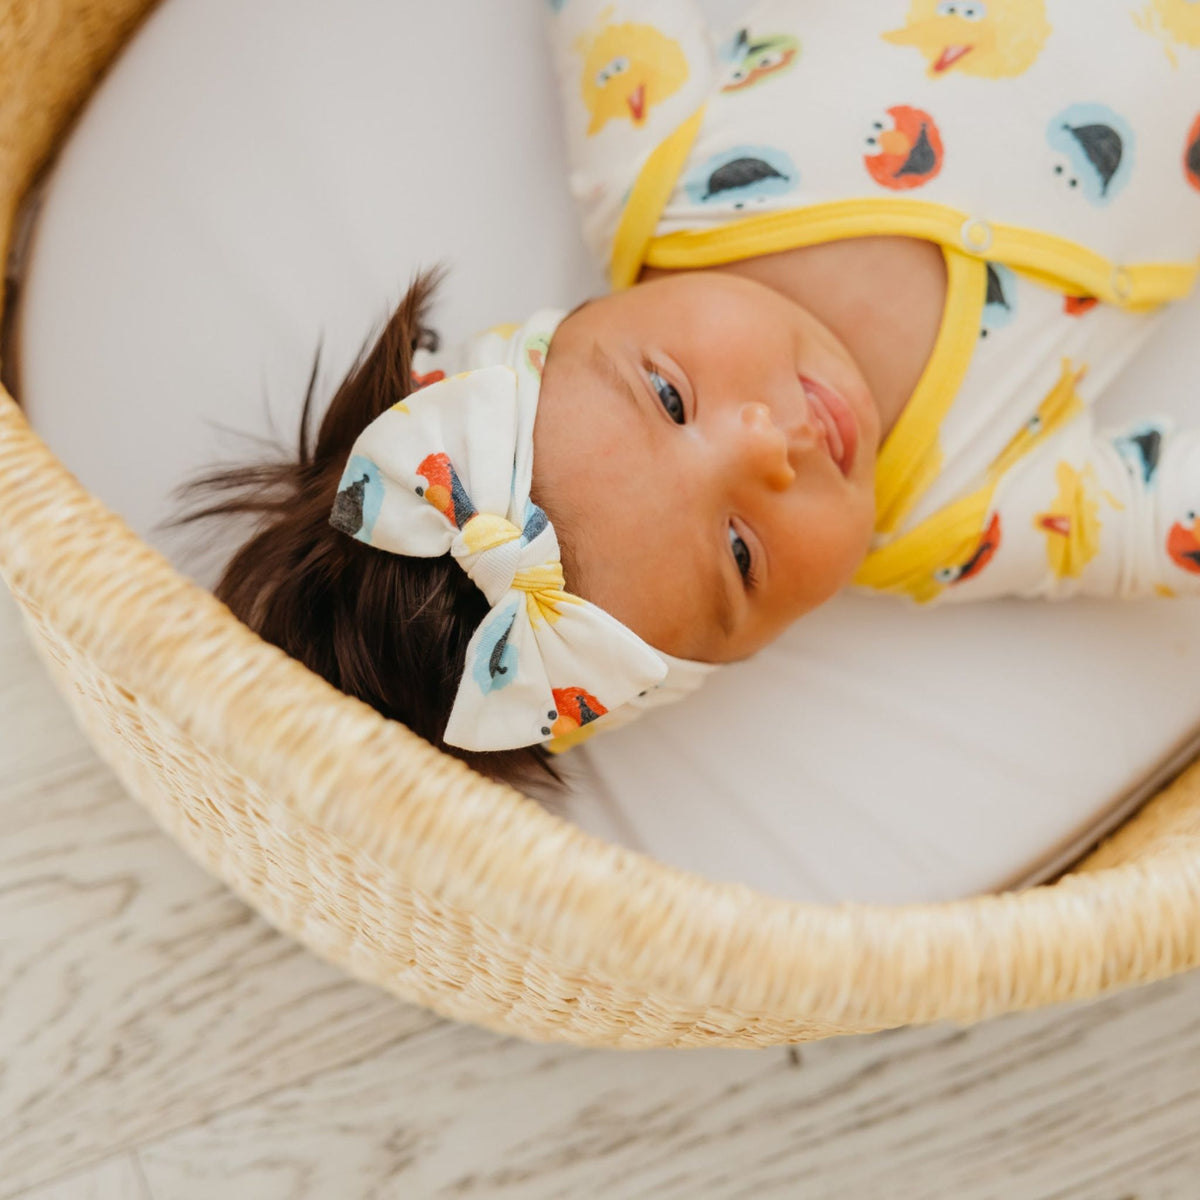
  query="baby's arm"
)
[{"x": 1087, "y": 511}]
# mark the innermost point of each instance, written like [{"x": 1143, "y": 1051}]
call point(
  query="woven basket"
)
[{"x": 403, "y": 867}]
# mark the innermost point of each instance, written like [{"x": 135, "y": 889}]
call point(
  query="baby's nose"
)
[{"x": 764, "y": 447}]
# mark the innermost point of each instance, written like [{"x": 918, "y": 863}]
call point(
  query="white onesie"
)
[{"x": 1050, "y": 147}]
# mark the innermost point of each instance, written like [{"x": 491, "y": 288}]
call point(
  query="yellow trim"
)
[
  {"x": 647, "y": 199},
  {"x": 907, "y": 563},
  {"x": 910, "y": 458},
  {"x": 567, "y": 741},
  {"x": 899, "y": 565},
  {"x": 1065, "y": 265}
]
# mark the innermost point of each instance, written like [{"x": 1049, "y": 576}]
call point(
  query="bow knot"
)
[
  {"x": 488, "y": 549},
  {"x": 544, "y": 592}
]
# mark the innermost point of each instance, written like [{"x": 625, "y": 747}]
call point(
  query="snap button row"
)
[{"x": 976, "y": 235}]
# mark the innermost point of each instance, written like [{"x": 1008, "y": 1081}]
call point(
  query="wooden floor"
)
[{"x": 159, "y": 1041}]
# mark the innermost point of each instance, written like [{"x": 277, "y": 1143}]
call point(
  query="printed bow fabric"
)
[{"x": 448, "y": 470}]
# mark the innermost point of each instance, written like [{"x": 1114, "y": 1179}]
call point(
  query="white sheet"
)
[{"x": 252, "y": 178}]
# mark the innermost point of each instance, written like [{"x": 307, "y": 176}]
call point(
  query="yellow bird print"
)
[
  {"x": 957, "y": 543},
  {"x": 627, "y": 70},
  {"x": 1058, "y": 406},
  {"x": 995, "y": 40},
  {"x": 1072, "y": 523},
  {"x": 1171, "y": 20},
  {"x": 950, "y": 547},
  {"x": 504, "y": 330}
]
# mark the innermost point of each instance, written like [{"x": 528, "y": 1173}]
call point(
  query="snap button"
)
[
  {"x": 1122, "y": 283},
  {"x": 976, "y": 235}
]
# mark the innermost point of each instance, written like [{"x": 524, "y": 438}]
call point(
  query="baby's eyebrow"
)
[{"x": 613, "y": 375}]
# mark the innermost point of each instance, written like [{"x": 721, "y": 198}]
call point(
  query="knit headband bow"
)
[{"x": 448, "y": 470}]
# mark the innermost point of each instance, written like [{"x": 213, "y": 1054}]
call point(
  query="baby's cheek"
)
[
  {"x": 860, "y": 531},
  {"x": 837, "y": 547}
]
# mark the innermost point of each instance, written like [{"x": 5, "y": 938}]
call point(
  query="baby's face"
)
[{"x": 681, "y": 452}]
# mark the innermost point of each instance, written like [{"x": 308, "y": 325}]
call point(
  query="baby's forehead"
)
[
  {"x": 581, "y": 355},
  {"x": 616, "y": 310}
]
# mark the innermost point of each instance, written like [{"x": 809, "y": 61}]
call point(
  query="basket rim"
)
[{"x": 487, "y": 849}]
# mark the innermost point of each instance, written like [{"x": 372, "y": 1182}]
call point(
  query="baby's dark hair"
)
[{"x": 386, "y": 628}]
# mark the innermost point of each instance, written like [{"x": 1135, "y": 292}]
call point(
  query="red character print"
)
[
  {"x": 907, "y": 155},
  {"x": 576, "y": 708},
  {"x": 1183, "y": 543},
  {"x": 989, "y": 543},
  {"x": 419, "y": 381},
  {"x": 444, "y": 489}
]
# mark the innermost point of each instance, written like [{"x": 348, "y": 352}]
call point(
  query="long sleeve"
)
[
  {"x": 1112, "y": 512},
  {"x": 629, "y": 75},
  {"x": 1084, "y": 511}
]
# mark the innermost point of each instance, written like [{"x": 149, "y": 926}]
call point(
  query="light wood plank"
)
[
  {"x": 37, "y": 744},
  {"x": 118, "y": 1179},
  {"x": 137, "y": 994},
  {"x": 1087, "y": 1102}
]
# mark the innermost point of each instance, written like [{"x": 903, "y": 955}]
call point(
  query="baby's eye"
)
[
  {"x": 672, "y": 401},
  {"x": 741, "y": 555}
]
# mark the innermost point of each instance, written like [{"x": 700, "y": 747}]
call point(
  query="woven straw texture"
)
[{"x": 409, "y": 871}]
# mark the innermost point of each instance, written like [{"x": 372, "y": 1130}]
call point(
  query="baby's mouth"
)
[{"x": 834, "y": 417}]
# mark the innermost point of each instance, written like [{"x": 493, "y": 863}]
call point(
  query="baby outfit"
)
[{"x": 1050, "y": 147}]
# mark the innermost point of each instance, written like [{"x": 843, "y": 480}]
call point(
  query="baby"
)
[{"x": 871, "y": 268}]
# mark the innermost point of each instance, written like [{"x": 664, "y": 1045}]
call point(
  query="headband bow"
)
[{"x": 448, "y": 470}]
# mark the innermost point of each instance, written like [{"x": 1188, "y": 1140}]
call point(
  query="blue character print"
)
[
  {"x": 741, "y": 176},
  {"x": 1141, "y": 446},
  {"x": 495, "y": 664},
  {"x": 359, "y": 499},
  {"x": 1000, "y": 303},
  {"x": 535, "y": 522},
  {"x": 1097, "y": 145}
]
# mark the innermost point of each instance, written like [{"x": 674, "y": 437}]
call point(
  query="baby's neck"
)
[{"x": 882, "y": 296}]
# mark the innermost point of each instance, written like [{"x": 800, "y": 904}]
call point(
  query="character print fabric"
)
[
  {"x": 1070, "y": 119},
  {"x": 1050, "y": 147}
]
